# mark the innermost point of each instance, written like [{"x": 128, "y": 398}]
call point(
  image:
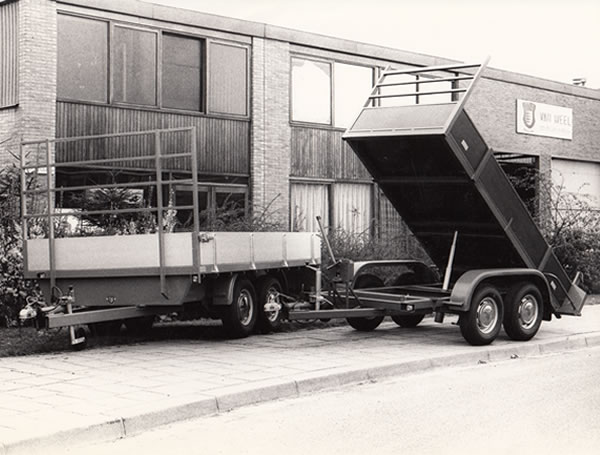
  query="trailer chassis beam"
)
[{"x": 91, "y": 316}]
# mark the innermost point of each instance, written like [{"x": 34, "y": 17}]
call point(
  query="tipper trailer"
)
[{"x": 427, "y": 157}]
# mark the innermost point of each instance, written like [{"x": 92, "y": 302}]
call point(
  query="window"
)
[
  {"x": 320, "y": 97},
  {"x": 82, "y": 63},
  {"x": 576, "y": 179},
  {"x": 181, "y": 76},
  {"x": 352, "y": 85},
  {"x": 306, "y": 202},
  {"x": 346, "y": 206},
  {"x": 311, "y": 91},
  {"x": 193, "y": 74},
  {"x": 220, "y": 206},
  {"x": 134, "y": 66},
  {"x": 352, "y": 207},
  {"x": 228, "y": 67}
]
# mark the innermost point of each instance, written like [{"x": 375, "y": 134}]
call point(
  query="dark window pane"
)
[
  {"x": 228, "y": 77},
  {"x": 82, "y": 59},
  {"x": 181, "y": 72},
  {"x": 134, "y": 66}
]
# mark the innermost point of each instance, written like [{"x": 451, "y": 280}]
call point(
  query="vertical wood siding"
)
[
  {"x": 9, "y": 69},
  {"x": 321, "y": 153},
  {"x": 223, "y": 145}
]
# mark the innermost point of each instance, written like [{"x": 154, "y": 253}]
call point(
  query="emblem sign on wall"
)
[{"x": 542, "y": 119}]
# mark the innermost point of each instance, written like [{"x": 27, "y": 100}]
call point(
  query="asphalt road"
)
[{"x": 547, "y": 405}]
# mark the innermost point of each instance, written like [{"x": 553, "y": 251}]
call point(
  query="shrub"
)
[
  {"x": 363, "y": 246},
  {"x": 570, "y": 224},
  {"x": 14, "y": 288}
]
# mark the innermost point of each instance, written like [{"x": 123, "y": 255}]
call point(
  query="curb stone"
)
[{"x": 239, "y": 396}]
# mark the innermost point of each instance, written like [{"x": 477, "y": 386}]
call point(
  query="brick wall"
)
[
  {"x": 37, "y": 58},
  {"x": 271, "y": 132},
  {"x": 34, "y": 116},
  {"x": 492, "y": 108}
]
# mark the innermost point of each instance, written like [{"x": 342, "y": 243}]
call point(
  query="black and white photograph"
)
[{"x": 287, "y": 227}]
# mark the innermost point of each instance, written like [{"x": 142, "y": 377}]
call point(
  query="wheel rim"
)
[
  {"x": 487, "y": 315},
  {"x": 528, "y": 311},
  {"x": 245, "y": 307},
  {"x": 272, "y": 297}
]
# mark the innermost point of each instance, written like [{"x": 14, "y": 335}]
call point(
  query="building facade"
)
[{"x": 270, "y": 104}]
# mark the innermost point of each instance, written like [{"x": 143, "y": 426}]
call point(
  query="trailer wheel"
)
[
  {"x": 408, "y": 320},
  {"x": 105, "y": 328},
  {"x": 482, "y": 323},
  {"x": 523, "y": 315},
  {"x": 268, "y": 292},
  {"x": 239, "y": 318},
  {"x": 366, "y": 324},
  {"x": 139, "y": 326}
]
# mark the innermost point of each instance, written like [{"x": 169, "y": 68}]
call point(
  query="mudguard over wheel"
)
[
  {"x": 482, "y": 323},
  {"x": 269, "y": 289},
  {"x": 523, "y": 311},
  {"x": 408, "y": 320},
  {"x": 239, "y": 318},
  {"x": 366, "y": 324}
]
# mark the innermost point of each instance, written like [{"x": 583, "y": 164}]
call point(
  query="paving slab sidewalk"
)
[{"x": 55, "y": 400}]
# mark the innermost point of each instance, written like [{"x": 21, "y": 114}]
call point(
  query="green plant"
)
[
  {"x": 569, "y": 222},
  {"x": 232, "y": 216},
  {"x": 14, "y": 288},
  {"x": 360, "y": 246}
]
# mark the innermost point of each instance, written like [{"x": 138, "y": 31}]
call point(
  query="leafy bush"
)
[
  {"x": 364, "y": 246},
  {"x": 14, "y": 289},
  {"x": 570, "y": 225}
]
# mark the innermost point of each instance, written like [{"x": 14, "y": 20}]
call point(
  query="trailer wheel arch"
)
[
  {"x": 503, "y": 279},
  {"x": 222, "y": 292},
  {"x": 223, "y": 287}
]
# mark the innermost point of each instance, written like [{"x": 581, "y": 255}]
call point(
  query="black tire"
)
[
  {"x": 368, "y": 281},
  {"x": 523, "y": 311},
  {"x": 239, "y": 318},
  {"x": 482, "y": 323},
  {"x": 366, "y": 324},
  {"x": 408, "y": 320},
  {"x": 139, "y": 326},
  {"x": 105, "y": 328},
  {"x": 268, "y": 292},
  {"x": 405, "y": 279}
]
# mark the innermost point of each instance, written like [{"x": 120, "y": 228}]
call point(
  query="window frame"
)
[
  {"x": 107, "y": 23},
  {"x": 207, "y": 76},
  {"x": 330, "y": 185},
  {"x": 332, "y": 88},
  {"x": 291, "y": 88},
  {"x": 157, "y": 68},
  {"x": 203, "y": 72},
  {"x": 205, "y": 42}
]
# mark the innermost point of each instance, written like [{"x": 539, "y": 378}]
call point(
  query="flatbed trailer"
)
[
  {"x": 93, "y": 282},
  {"x": 427, "y": 157}
]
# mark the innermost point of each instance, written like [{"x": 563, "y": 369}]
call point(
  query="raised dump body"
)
[{"x": 418, "y": 142}]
